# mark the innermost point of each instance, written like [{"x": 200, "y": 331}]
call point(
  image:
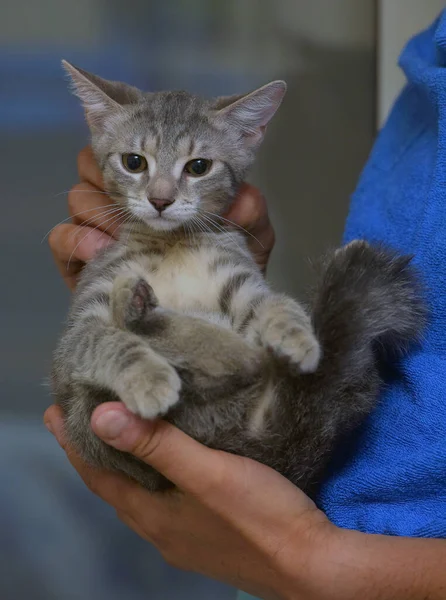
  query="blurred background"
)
[
  {"x": 339, "y": 59},
  {"x": 307, "y": 167}
]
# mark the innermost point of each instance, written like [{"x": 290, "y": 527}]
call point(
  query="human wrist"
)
[
  {"x": 304, "y": 567},
  {"x": 352, "y": 565},
  {"x": 326, "y": 562}
]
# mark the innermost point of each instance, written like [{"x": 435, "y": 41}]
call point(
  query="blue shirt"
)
[{"x": 390, "y": 476}]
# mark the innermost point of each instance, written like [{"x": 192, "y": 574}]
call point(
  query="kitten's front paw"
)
[
  {"x": 132, "y": 300},
  {"x": 294, "y": 343},
  {"x": 152, "y": 389}
]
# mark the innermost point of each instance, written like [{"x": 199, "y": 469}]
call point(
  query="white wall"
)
[{"x": 398, "y": 21}]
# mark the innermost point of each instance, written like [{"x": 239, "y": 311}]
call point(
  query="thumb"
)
[{"x": 184, "y": 461}]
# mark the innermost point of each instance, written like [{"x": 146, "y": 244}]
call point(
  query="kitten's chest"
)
[{"x": 183, "y": 281}]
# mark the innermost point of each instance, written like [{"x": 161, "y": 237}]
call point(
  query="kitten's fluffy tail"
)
[{"x": 367, "y": 305}]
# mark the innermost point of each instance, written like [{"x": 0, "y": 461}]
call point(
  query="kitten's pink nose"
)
[{"x": 160, "y": 204}]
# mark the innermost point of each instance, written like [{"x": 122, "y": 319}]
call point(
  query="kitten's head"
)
[{"x": 171, "y": 157}]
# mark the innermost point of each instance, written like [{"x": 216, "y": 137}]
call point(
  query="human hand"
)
[
  {"x": 95, "y": 224},
  {"x": 250, "y": 212},
  {"x": 92, "y": 226},
  {"x": 231, "y": 518},
  {"x": 238, "y": 521}
]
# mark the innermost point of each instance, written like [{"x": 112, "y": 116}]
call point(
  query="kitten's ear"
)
[
  {"x": 225, "y": 101},
  {"x": 252, "y": 113},
  {"x": 99, "y": 97}
]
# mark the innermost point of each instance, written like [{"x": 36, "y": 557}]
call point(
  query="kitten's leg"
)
[
  {"x": 106, "y": 357},
  {"x": 366, "y": 307},
  {"x": 282, "y": 325},
  {"x": 208, "y": 356},
  {"x": 132, "y": 301},
  {"x": 270, "y": 320}
]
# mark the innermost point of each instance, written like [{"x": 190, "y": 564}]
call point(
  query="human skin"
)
[{"x": 232, "y": 518}]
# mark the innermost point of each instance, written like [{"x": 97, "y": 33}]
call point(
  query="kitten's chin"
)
[{"x": 163, "y": 224}]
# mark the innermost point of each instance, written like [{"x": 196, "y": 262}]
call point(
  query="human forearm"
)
[{"x": 353, "y": 565}]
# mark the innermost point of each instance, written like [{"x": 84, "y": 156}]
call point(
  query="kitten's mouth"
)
[
  {"x": 163, "y": 222},
  {"x": 165, "y": 218}
]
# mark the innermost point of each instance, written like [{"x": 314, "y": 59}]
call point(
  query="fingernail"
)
[
  {"x": 111, "y": 424},
  {"x": 49, "y": 426}
]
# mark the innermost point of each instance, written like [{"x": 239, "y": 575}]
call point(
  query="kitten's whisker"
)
[
  {"x": 233, "y": 223},
  {"x": 186, "y": 227},
  {"x": 127, "y": 219},
  {"x": 113, "y": 223},
  {"x": 202, "y": 226},
  {"x": 135, "y": 220},
  {"x": 192, "y": 233},
  {"x": 132, "y": 226},
  {"x": 72, "y": 217},
  {"x": 191, "y": 225},
  {"x": 223, "y": 230},
  {"x": 195, "y": 225},
  {"x": 218, "y": 231},
  {"x": 197, "y": 228},
  {"x": 115, "y": 211},
  {"x": 208, "y": 232},
  {"x": 102, "y": 192},
  {"x": 80, "y": 192},
  {"x": 88, "y": 234},
  {"x": 109, "y": 193},
  {"x": 192, "y": 230}
]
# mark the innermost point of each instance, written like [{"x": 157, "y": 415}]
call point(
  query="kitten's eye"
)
[
  {"x": 134, "y": 163},
  {"x": 198, "y": 167}
]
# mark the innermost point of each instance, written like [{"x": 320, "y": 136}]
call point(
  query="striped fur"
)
[{"x": 176, "y": 319}]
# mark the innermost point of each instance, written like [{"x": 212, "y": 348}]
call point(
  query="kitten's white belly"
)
[
  {"x": 184, "y": 284},
  {"x": 184, "y": 291}
]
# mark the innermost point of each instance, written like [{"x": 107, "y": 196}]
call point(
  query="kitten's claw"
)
[
  {"x": 295, "y": 344},
  {"x": 151, "y": 389}
]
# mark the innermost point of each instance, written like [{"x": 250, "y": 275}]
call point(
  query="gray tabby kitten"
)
[{"x": 176, "y": 319}]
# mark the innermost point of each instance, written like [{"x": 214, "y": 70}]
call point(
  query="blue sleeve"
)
[{"x": 391, "y": 476}]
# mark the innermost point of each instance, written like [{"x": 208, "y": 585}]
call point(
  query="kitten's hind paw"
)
[{"x": 132, "y": 299}]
